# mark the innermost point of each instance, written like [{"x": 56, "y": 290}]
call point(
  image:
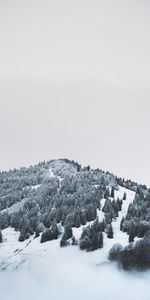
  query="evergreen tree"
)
[
  {"x": 37, "y": 234},
  {"x": 63, "y": 241},
  {"x": 46, "y": 236},
  {"x": 131, "y": 236},
  {"x": 106, "y": 193},
  {"x": 21, "y": 237},
  {"x": 85, "y": 243},
  {"x": 77, "y": 221},
  {"x": 108, "y": 217},
  {"x": 68, "y": 231},
  {"x": 100, "y": 240},
  {"x": 54, "y": 231},
  {"x": 107, "y": 206},
  {"x": 92, "y": 237},
  {"x": 103, "y": 225},
  {"x": 119, "y": 204},
  {"x": 74, "y": 241},
  {"x": 112, "y": 195},
  {"x": 1, "y": 238},
  {"x": 110, "y": 232},
  {"x": 121, "y": 223},
  {"x": 83, "y": 217},
  {"x": 125, "y": 196}
]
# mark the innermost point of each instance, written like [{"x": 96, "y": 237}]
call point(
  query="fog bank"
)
[{"x": 71, "y": 279}]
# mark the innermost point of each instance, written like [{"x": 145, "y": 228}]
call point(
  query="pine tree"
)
[
  {"x": 68, "y": 231},
  {"x": 1, "y": 238},
  {"x": 110, "y": 232},
  {"x": 124, "y": 196},
  {"x": 77, "y": 221},
  {"x": 74, "y": 241},
  {"x": 112, "y": 195},
  {"x": 83, "y": 217},
  {"x": 131, "y": 236},
  {"x": 85, "y": 243},
  {"x": 100, "y": 239},
  {"x": 63, "y": 241},
  {"x": 37, "y": 234},
  {"x": 92, "y": 237},
  {"x": 54, "y": 231},
  {"x": 21, "y": 237},
  {"x": 46, "y": 236},
  {"x": 103, "y": 225},
  {"x": 121, "y": 223},
  {"x": 107, "y": 206},
  {"x": 106, "y": 193}
]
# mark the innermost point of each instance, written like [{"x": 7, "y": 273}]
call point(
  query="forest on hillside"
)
[{"x": 52, "y": 197}]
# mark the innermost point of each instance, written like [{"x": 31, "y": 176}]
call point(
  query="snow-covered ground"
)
[
  {"x": 13, "y": 253},
  {"x": 35, "y": 187},
  {"x": 46, "y": 271},
  {"x": 119, "y": 236}
]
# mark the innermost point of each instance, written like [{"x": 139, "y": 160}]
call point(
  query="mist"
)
[{"x": 71, "y": 278}]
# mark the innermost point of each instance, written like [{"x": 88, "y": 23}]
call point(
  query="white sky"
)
[{"x": 75, "y": 82}]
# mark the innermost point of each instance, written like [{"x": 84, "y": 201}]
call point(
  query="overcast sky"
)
[{"x": 75, "y": 83}]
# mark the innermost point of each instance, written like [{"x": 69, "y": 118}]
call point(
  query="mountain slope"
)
[
  {"x": 81, "y": 205},
  {"x": 14, "y": 253}
]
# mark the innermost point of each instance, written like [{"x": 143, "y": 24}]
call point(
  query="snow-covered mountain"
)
[{"x": 58, "y": 209}]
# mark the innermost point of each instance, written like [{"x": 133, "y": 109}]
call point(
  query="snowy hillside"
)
[
  {"x": 14, "y": 253},
  {"x": 59, "y": 209}
]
